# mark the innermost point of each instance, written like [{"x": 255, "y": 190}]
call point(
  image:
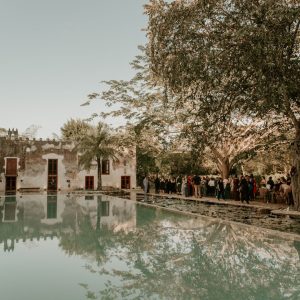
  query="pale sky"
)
[{"x": 53, "y": 53}]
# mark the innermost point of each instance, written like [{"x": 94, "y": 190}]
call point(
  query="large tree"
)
[
  {"x": 192, "y": 120},
  {"x": 249, "y": 48}
]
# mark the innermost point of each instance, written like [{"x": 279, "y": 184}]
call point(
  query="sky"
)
[{"x": 53, "y": 53}]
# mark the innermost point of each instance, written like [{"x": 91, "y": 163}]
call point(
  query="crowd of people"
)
[{"x": 242, "y": 188}]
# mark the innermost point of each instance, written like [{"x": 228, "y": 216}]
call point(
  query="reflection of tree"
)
[
  {"x": 216, "y": 261},
  {"x": 168, "y": 255},
  {"x": 84, "y": 239}
]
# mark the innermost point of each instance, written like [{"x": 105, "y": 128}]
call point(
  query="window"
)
[{"x": 105, "y": 166}]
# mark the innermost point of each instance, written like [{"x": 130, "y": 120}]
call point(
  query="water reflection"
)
[
  {"x": 151, "y": 254},
  {"x": 10, "y": 209}
]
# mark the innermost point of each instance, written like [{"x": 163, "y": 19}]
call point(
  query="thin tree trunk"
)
[
  {"x": 99, "y": 170},
  {"x": 295, "y": 171}
]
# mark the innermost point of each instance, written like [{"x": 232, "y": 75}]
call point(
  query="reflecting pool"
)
[{"x": 100, "y": 247}]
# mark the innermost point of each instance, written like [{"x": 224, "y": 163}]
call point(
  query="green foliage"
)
[
  {"x": 247, "y": 51},
  {"x": 182, "y": 164},
  {"x": 146, "y": 164},
  {"x": 75, "y": 129},
  {"x": 227, "y": 61}
]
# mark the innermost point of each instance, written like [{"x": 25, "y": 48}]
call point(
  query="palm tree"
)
[{"x": 97, "y": 144}]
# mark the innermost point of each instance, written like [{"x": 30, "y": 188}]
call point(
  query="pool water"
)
[{"x": 101, "y": 247}]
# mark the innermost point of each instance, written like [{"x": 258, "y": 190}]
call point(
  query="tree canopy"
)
[{"x": 239, "y": 51}]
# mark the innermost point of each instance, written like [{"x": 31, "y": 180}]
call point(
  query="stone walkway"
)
[{"x": 275, "y": 208}]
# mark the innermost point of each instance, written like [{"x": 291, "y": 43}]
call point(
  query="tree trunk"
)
[
  {"x": 99, "y": 170},
  {"x": 295, "y": 171},
  {"x": 224, "y": 167}
]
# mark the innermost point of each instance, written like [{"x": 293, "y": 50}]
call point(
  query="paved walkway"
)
[{"x": 275, "y": 208}]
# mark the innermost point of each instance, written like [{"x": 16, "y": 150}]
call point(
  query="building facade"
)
[{"x": 51, "y": 165}]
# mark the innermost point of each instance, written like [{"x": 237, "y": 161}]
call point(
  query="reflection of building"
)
[
  {"x": 10, "y": 209},
  {"x": 53, "y": 165},
  {"x": 114, "y": 214},
  {"x": 56, "y": 215}
]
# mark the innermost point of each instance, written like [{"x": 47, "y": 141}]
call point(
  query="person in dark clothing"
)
[
  {"x": 169, "y": 186},
  {"x": 271, "y": 184},
  {"x": 173, "y": 185},
  {"x": 251, "y": 181},
  {"x": 162, "y": 185},
  {"x": 157, "y": 185},
  {"x": 178, "y": 184},
  {"x": 244, "y": 189},
  {"x": 220, "y": 189},
  {"x": 236, "y": 192}
]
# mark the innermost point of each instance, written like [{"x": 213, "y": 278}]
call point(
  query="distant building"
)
[{"x": 53, "y": 166}]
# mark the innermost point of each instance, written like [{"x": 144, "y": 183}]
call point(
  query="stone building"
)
[{"x": 51, "y": 165}]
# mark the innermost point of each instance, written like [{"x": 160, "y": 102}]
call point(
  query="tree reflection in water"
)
[
  {"x": 146, "y": 253},
  {"x": 171, "y": 257}
]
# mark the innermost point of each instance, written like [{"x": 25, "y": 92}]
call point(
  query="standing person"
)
[
  {"x": 211, "y": 187},
  {"x": 263, "y": 182},
  {"x": 173, "y": 185},
  {"x": 235, "y": 189},
  {"x": 169, "y": 186},
  {"x": 145, "y": 186},
  {"x": 178, "y": 184},
  {"x": 162, "y": 185},
  {"x": 251, "y": 187},
  {"x": 205, "y": 186},
  {"x": 220, "y": 189},
  {"x": 197, "y": 181},
  {"x": 244, "y": 189},
  {"x": 184, "y": 188},
  {"x": 270, "y": 184},
  {"x": 190, "y": 185},
  {"x": 255, "y": 189},
  {"x": 157, "y": 184},
  {"x": 226, "y": 183}
]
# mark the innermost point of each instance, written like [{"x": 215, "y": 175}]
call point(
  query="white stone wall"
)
[{"x": 35, "y": 174}]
